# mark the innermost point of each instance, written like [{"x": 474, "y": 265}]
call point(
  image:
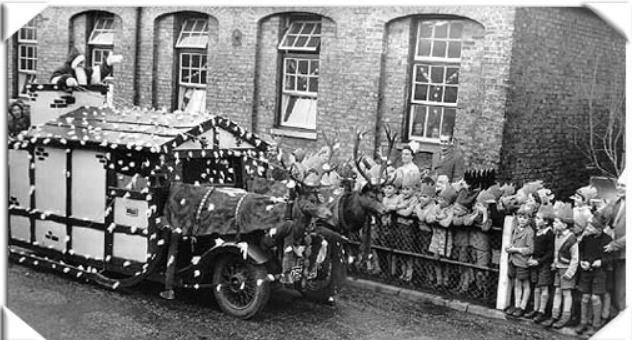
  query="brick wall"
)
[{"x": 554, "y": 52}]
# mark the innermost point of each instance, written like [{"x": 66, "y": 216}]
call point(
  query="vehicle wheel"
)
[{"x": 242, "y": 288}]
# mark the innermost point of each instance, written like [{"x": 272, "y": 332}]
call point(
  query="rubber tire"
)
[{"x": 261, "y": 296}]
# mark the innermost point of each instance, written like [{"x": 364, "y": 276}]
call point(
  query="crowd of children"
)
[{"x": 556, "y": 251}]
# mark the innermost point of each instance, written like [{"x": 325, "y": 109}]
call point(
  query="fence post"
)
[{"x": 503, "y": 296}]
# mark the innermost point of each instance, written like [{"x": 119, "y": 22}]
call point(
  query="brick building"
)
[{"x": 502, "y": 80}]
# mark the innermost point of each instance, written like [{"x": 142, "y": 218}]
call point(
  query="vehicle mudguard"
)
[{"x": 249, "y": 252}]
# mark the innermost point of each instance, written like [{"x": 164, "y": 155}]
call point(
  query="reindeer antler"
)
[
  {"x": 356, "y": 159},
  {"x": 391, "y": 136}
]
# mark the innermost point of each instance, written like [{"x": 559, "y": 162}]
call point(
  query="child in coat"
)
[
  {"x": 423, "y": 210},
  {"x": 592, "y": 282},
  {"x": 405, "y": 226},
  {"x": 565, "y": 263},
  {"x": 441, "y": 244},
  {"x": 540, "y": 263},
  {"x": 520, "y": 249}
]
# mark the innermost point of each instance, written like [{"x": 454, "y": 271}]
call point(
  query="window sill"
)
[
  {"x": 427, "y": 146},
  {"x": 294, "y": 133}
]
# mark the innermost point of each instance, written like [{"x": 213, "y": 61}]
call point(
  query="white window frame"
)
[
  {"x": 298, "y": 92},
  {"x": 202, "y": 34},
  {"x": 430, "y": 62},
  {"x": 432, "y": 39},
  {"x": 104, "y": 30},
  {"x": 103, "y": 52},
  {"x": 27, "y": 75},
  {"x": 184, "y": 86},
  {"x": 316, "y": 32},
  {"x": 28, "y": 27}
]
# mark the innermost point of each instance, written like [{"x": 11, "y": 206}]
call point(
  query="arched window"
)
[
  {"x": 435, "y": 80},
  {"x": 300, "y": 67},
  {"x": 27, "y": 56},
  {"x": 102, "y": 38},
  {"x": 191, "y": 46}
]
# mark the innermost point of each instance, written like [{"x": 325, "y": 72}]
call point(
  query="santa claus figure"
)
[{"x": 74, "y": 73}]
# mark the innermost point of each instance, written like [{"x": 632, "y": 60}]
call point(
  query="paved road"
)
[{"x": 61, "y": 308}]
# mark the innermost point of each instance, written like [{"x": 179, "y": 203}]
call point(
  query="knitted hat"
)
[
  {"x": 486, "y": 196},
  {"x": 507, "y": 189},
  {"x": 528, "y": 189},
  {"x": 586, "y": 193},
  {"x": 449, "y": 194},
  {"x": 598, "y": 221},
  {"x": 466, "y": 197},
  {"x": 563, "y": 211},
  {"x": 428, "y": 189},
  {"x": 581, "y": 217},
  {"x": 546, "y": 211},
  {"x": 525, "y": 209},
  {"x": 545, "y": 195},
  {"x": 299, "y": 154},
  {"x": 495, "y": 191}
]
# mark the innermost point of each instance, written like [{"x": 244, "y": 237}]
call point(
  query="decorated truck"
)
[{"x": 117, "y": 196}]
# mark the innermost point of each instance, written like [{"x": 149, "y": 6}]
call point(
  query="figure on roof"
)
[{"x": 75, "y": 73}]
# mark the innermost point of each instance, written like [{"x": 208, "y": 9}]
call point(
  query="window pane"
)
[
  {"x": 441, "y": 30},
  {"x": 314, "y": 67},
  {"x": 418, "y": 120},
  {"x": 196, "y": 77},
  {"x": 302, "y": 40},
  {"x": 302, "y": 84},
  {"x": 295, "y": 28},
  {"x": 456, "y": 30},
  {"x": 290, "y": 39},
  {"x": 421, "y": 92},
  {"x": 289, "y": 83},
  {"x": 23, "y": 64},
  {"x": 203, "y": 77},
  {"x": 435, "y": 93},
  {"x": 425, "y": 30},
  {"x": 188, "y": 25},
  {"x": 450, "y": 94},
  {"x": 313, "y": 84},
  {"x": 449, "y": 117},
  {"x": 203, "y": 61},
  {"x": 452, "y": 75},
  {"x": 422, "y": 74},
  {"x": 185, "y": 75},
  {"x": 291, "y": 66},
  {"x": 314, "y": 42},
  {"x": 434, "y": 121},
  {"x": 185, "y": 61},
  {"x": 303, "y": 66},
  {"x": 307, "y": 28},
  {"x": 424, "y": 47},
  {"x": 438, "y": 49},
  {"x": 437, "y": 74},
  {"x": 454, "y": 49},
  {"x": 318, "y": 28}
]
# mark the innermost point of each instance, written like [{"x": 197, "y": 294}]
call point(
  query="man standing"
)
[
  {"x": 449, "y": 161},
  {"x": 615, "y": 214}
]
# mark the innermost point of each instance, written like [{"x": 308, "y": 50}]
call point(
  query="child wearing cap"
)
[
  {"x": 479, "y": 238},
  {"x": 423, "y": 210},
  {"x": 461, "y": 234},
  {"x": 565, "y": 263},
  {"x": 540, "y": 263},
  {"x": 387, "y": 233},
  {"x": 582, "y": 208},
  {"x": 405, "y": 226},
  {"x": 520, "y": 249},
  {"x": 592, "y": 281},
  {"x": 441, "y": 244}
]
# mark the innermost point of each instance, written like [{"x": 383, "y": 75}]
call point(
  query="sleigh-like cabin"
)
[{"x": 86, "y": 187}]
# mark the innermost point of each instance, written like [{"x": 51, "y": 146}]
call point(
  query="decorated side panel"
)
[
  {"x": 48, "y": 103},
  {"x": 88, "y": 242},
  {"x": 88, "y": 188},
  {"x": 20, "y": 227},
  {"x": 50, "y": 180},
  {"x": 50, "y": 234},
  {"x": 130, "y": 247},
  {"x": 19, "y": 186}
]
